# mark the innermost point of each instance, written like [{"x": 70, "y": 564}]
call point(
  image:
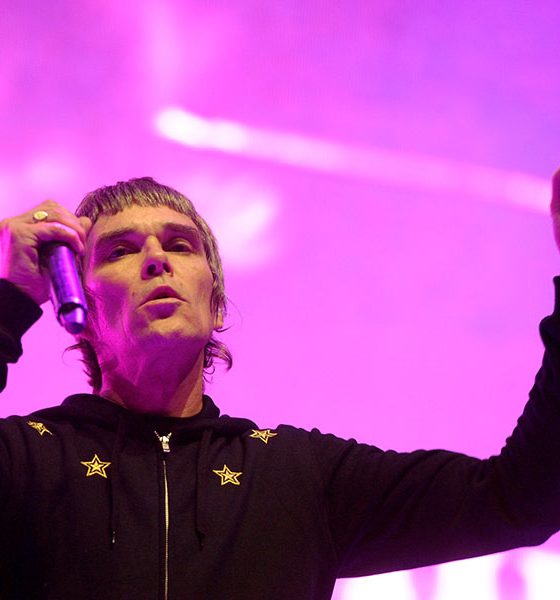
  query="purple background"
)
[{"x": 388, "y": 262}]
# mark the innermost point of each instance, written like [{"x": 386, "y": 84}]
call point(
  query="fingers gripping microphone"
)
[{"x": 67, "y": 294}]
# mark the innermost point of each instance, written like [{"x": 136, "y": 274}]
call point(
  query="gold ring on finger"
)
[{"x": 40, "y": 215}]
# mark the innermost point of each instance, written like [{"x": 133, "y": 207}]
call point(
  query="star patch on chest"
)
[
  {"x": 96, "y": 466},
  {"x": 228, "y": 476},
  {"x": 40, "y": 427},
  {"x": 262, "y": 434}
]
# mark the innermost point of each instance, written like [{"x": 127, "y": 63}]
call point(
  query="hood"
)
[{"x": 98, "y": 411}]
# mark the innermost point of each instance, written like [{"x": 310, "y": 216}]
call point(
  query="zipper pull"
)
[{"x": 164, "y": 441}]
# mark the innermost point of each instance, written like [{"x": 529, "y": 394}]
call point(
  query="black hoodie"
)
[{"x": 99, "y": 502}]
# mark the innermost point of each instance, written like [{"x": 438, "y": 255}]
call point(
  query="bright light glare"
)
[
  {"x": 242, "y": 213},
  {"x": 396, "y": 586},
  {"x": 242, "y": 237},
  {"x": 398, "y": 169},
  {"x": 541, "y": 571},
  {"x": 468, "y": 579}
]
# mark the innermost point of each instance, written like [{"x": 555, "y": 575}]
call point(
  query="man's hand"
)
[
  {"x": 21, "y": 238},
  {"x": 555, "y": 206}
]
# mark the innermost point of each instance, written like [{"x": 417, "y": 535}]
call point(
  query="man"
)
[{"x": 141, "y": 490}]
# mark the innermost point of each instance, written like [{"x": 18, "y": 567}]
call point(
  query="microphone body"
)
[{"x": 67, "y": 294}]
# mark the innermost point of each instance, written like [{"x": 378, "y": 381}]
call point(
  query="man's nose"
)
[{"x": 156, "y": 262}]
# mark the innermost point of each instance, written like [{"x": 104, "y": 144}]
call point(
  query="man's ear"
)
[
  {"x": 219, "y": 319},
  {"x": 88, "y": 333}
]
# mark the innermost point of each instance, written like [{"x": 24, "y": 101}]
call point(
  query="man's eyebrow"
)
[
  {"x": 124, "y": 232},
  {"x": 106, "y": 238},
  {"x": 187, "y": 230}
]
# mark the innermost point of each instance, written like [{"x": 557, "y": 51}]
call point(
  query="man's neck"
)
[{"x": 157, "y": 387}]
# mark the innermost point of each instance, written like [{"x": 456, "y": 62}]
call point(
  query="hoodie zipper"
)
[{"x": 164, "y": 441}]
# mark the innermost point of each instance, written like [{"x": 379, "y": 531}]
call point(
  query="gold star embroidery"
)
[
  {"x": 262, "y": 434},
  {"x": 228, "y": 476},
  {"x": 96, "y": 466},
  {"x": 40, "y": 427}
]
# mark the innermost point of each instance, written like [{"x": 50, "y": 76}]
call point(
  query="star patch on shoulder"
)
[
  {"x": 96, "y": 466},
  {"x": 228, "y": 476},
  {"x": 262, "y": 434},
  {"x": 40, "y": 427}
]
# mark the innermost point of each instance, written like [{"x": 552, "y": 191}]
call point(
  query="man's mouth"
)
[{"x": 162, "y": 293}]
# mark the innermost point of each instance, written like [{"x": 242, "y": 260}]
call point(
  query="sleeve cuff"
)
[
  {"x": 556, "y": 281},
  {"x": 18, "y": 312}
]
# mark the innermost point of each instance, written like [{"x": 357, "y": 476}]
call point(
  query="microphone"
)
[{"x": 67, "y": 294}]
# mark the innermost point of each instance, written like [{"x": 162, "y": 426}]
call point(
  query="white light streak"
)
[
  {"x": 190, "y": 130},
  {"x": 390, "y": 167}
]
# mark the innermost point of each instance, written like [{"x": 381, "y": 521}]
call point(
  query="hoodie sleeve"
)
[
  {"x": 18, "y": 312},
  {"x": 389, "y": 511}
]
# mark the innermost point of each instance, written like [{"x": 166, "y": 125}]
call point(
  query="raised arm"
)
[{"x": 390, "y": 510}]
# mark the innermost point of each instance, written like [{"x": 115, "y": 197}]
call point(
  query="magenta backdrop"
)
[{"x": 378, "y": 187}]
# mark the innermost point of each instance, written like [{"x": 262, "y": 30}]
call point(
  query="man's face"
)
[{"x": 150, "y": 282}]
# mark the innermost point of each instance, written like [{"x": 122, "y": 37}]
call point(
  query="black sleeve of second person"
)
[{"x": 18, "y": 312}]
